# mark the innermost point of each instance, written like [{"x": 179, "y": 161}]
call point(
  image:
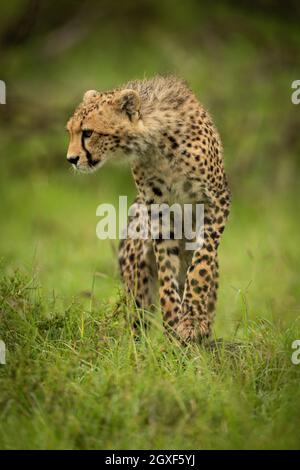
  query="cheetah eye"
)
[{"x": 86, "y": 133}]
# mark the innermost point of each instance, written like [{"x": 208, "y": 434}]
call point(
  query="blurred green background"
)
[{"x": 240, "y": 58}]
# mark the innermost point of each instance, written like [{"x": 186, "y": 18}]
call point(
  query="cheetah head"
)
[{"x": 102, "y": 126}]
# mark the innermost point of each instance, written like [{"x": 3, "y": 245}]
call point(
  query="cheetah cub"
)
[{"x": 176, "y": 157}]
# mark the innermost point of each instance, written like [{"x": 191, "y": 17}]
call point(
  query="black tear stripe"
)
[{"x": 89, "y": 157}]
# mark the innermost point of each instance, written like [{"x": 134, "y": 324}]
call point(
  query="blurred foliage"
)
[{"x": 240, "y": 58}]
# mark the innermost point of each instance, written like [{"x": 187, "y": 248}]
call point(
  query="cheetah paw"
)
[{"x": 189, "y": 332}]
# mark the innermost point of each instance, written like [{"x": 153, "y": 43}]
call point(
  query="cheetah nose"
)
[{"x": 73, "y": 160}]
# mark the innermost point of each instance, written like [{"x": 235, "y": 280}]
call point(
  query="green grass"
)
[{"x": 75, "y": 377}]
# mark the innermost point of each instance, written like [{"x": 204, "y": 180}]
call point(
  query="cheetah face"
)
[{"x": 100, "y": 127}]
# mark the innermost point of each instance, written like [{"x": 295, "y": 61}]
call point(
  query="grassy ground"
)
[{"x": 75, "y": 377}]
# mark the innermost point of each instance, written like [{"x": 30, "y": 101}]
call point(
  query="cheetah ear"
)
[
  {"x": 128, "y": 101},
  {"x": 90, "y": 94}
]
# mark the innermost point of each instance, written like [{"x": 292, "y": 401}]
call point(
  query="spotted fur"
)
[{"x": 177, "y": 157}]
